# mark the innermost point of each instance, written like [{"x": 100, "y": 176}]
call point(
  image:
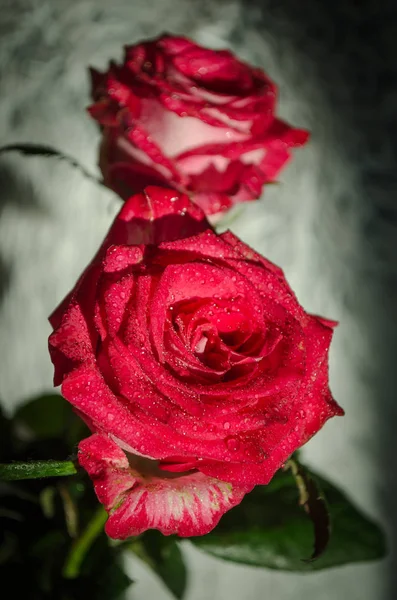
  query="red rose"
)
[
  {"x": 192, "y": 361},
  {"x": 194, "y": 119}
]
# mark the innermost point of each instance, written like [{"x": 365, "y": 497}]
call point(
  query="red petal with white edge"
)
[{"x": 185, "y": 505}]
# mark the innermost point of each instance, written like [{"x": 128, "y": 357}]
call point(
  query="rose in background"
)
[
  {"x": 198, "y": 120},
  {"x": 193, "y": 364}
]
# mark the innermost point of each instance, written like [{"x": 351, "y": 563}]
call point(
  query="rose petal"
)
[
  {"x": 186, "y": 505},
  {"x": 174, "y": 109},
  {"x": 175, "y": 134}
]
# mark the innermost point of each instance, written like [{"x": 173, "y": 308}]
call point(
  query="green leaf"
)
[
  {"x": 36, "y": 469},
  {"x": 5, "y": 436},
  {"x": 81, "y": 547},
  {"x": 107, "y": 583},
  {"x": 50, "y": 417},
  {"x": 47, "y": 501},
  {"x": 41, "y": 150},
  {"x": 313, "y": 501},
  {"x": 70, "y": 511},
  {"x": 270, "y": 529},
  {"x": 44, "y": 417},
  {"x": 111, "y": 582},
  {"x": 164, "y": 557},
  {"x": 46, "y": 550},
  {"x": 95, "y": 566},
  {"x": 8, "y": 546}
]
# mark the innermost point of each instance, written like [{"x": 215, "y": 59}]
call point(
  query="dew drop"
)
[
  {"x": 226, "y": 425},
  {"x": 233, "y": 444}
]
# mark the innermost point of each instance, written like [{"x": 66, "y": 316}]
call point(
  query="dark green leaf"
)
[
  {"x": 82, "y": 546},
  {"x": 99, "y": 575},
  {"x": 111, "y": 582},
  {"x": 163, "y": 555},
  {"x": 50, "y": 417},
  {"x": 8, "y": 546},
  {"x": 47, "y": 501},
  {"x": 5, "y": 437},
  {"x": 47, "y": 550},
  {"x": 36, "y": 469},
  {"x": 108, "y": 583},
  {"x": 29, "y": 149},
  {"x": 44, "y": 417},
  {"x": 270, "y": 529},
  {"x": 70, "y": 510},
  {"x": 313, "y": 501}
]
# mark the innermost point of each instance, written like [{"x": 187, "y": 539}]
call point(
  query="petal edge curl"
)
[{"x": 187, "y": 505}]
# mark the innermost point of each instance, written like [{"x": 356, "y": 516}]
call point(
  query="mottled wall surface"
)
[{"x": 330, "y": 224}]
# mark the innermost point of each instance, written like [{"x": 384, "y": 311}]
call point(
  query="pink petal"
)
[
  {"x": 187, "y": 504},
  {"x": 175, "y": 134}
]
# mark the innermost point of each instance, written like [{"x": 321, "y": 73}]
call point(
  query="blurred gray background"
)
[{"x": 331, "y": 223}]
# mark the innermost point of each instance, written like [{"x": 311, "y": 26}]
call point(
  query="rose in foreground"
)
[
  {"x": 191, "y": 360},
  {"x": 194, "y": 119}
]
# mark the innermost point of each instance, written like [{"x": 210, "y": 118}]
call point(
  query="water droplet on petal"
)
[
  {"x": 226, "y": 425},
  {"x": 233, "y": 444}
]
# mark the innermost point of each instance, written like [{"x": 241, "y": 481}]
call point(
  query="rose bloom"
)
[
  {"x": 194, "y": 119},
  {"x": 192, "y": 362}
]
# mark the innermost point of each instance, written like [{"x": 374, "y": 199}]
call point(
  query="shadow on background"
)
[{"x": 355, "y": 49}]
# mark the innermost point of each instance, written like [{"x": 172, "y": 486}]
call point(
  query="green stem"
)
[
  {"x": 81, "y": 546},
  {"x": 36, "y": 469}
]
